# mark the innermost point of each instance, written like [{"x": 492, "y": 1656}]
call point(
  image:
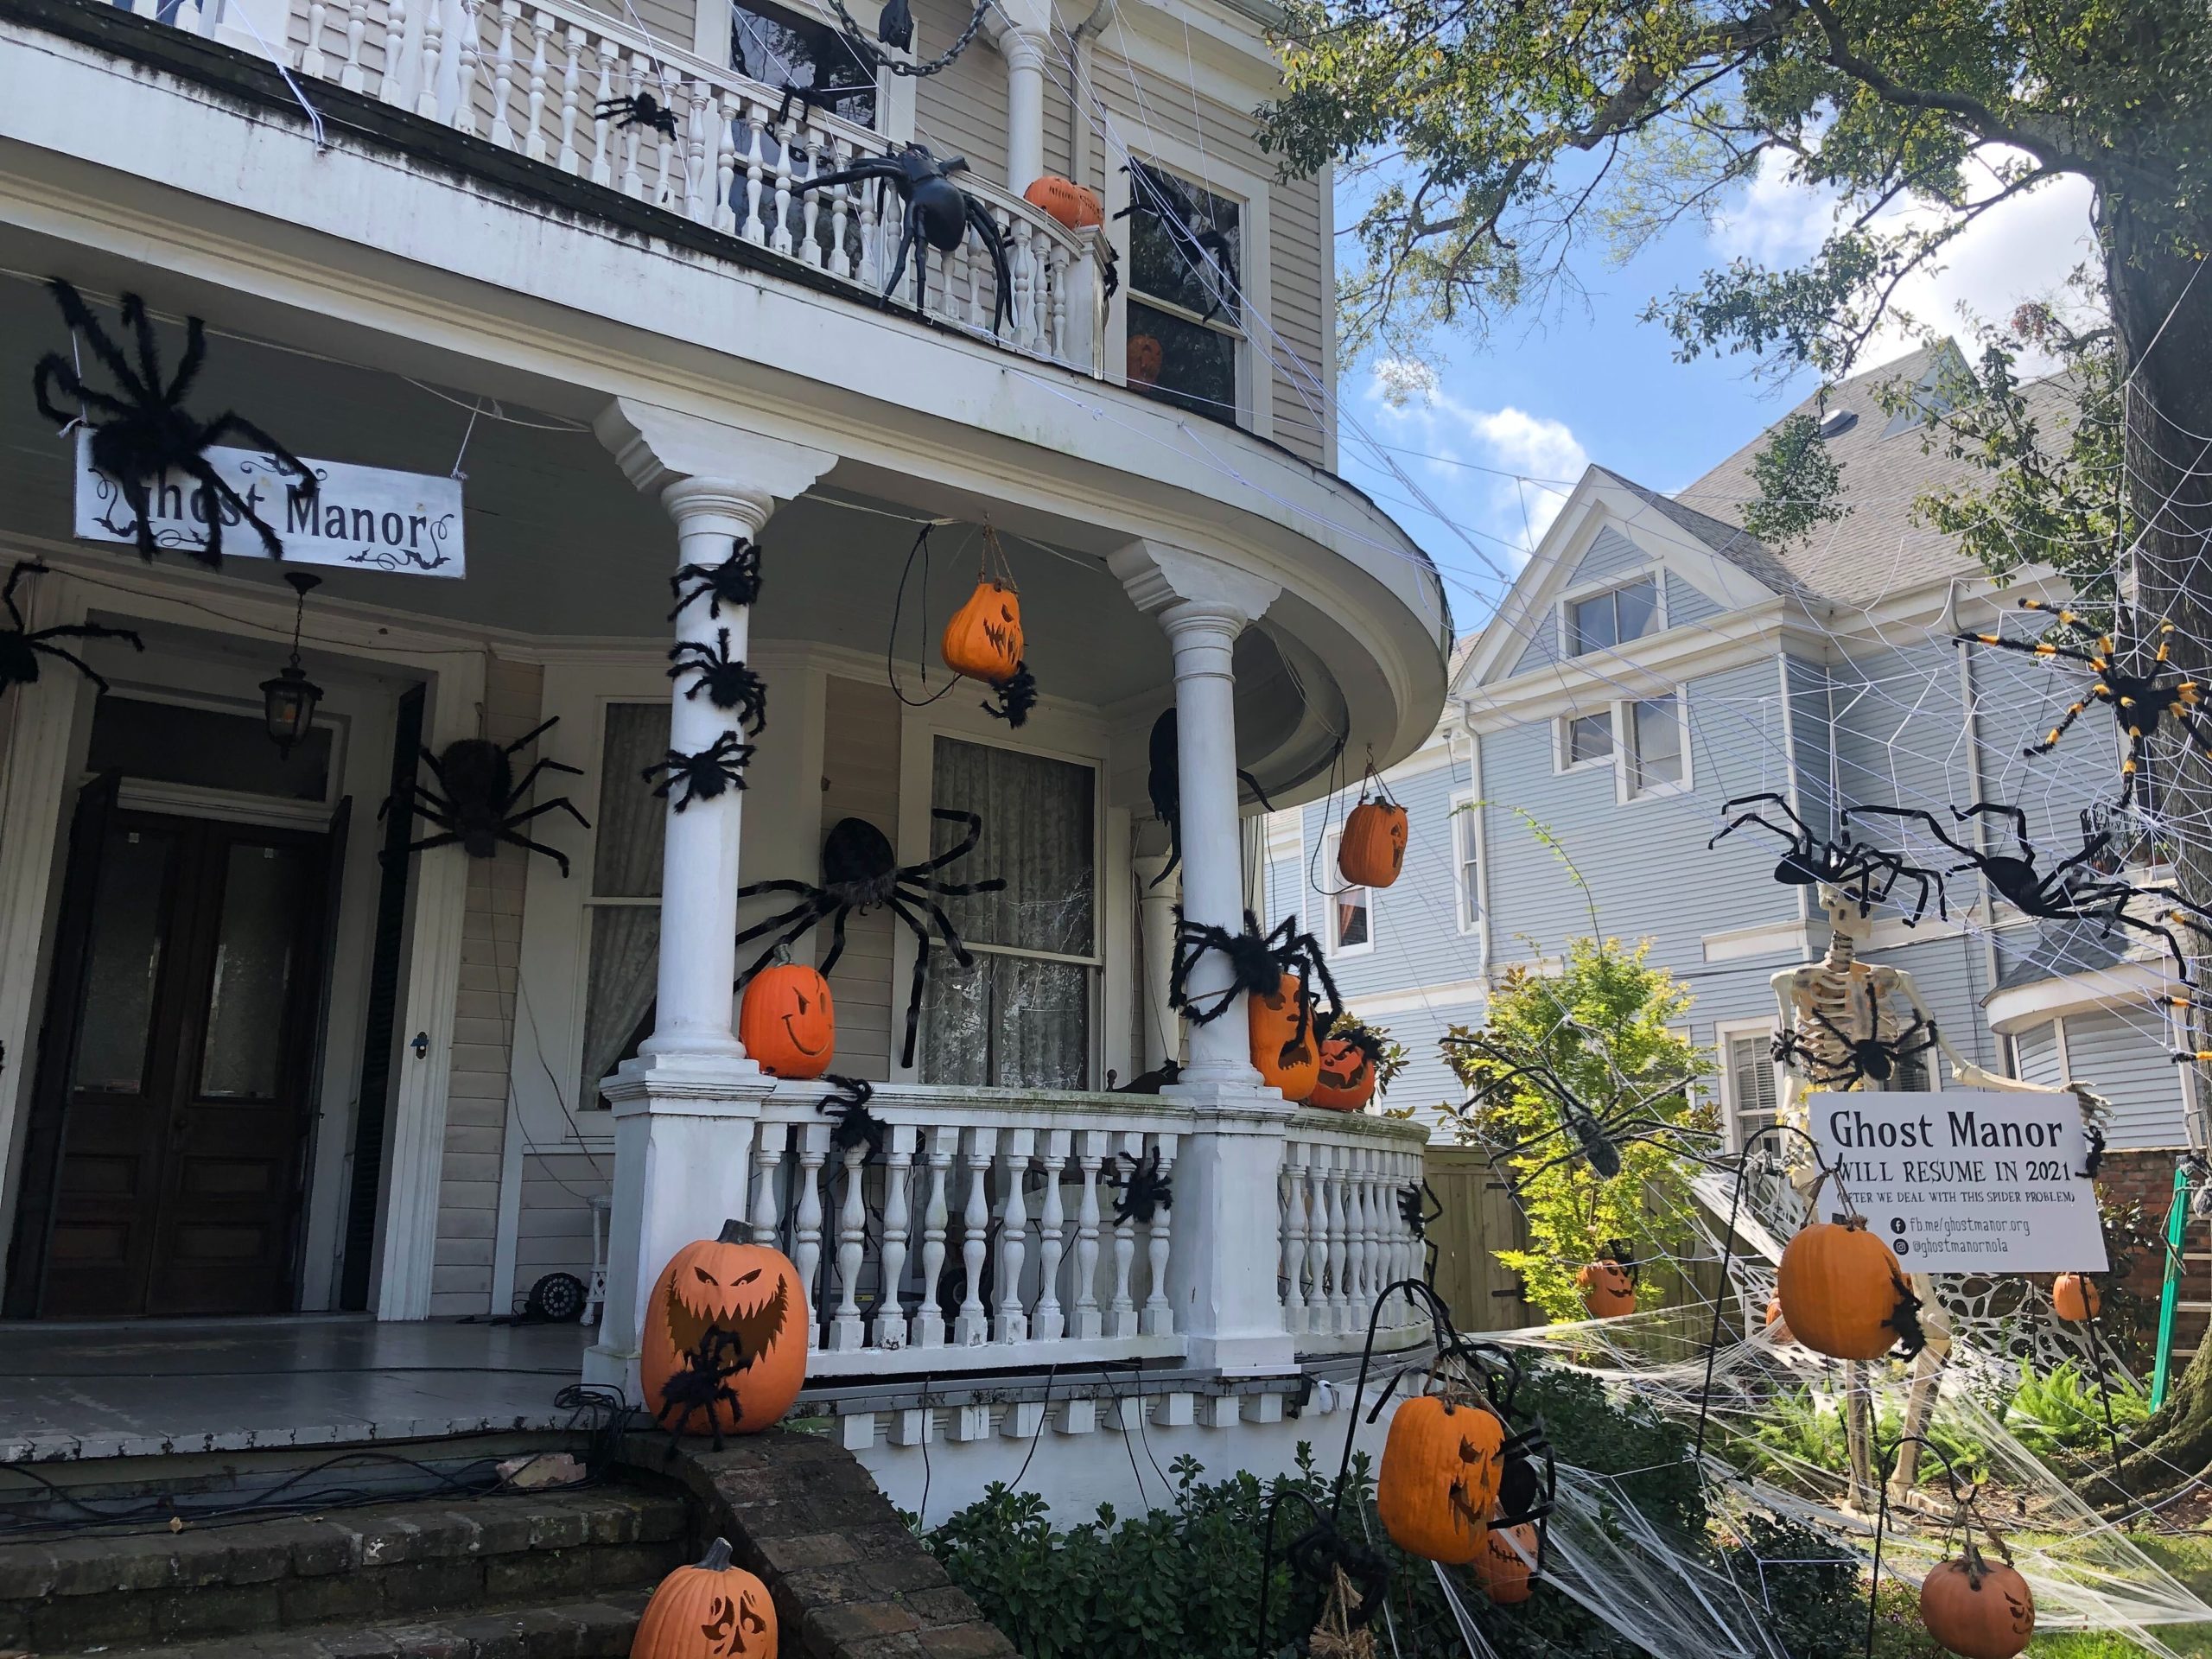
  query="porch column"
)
[
  {"x": 685, "y": 1109},
  {"x": 1023, "y": 39},
  {"x": 1163, "y": 1027},
  {"x": 1224, "y": 1286}
]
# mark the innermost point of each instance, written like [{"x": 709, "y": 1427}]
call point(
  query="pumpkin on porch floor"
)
[
  {"x": 723, "y": 1350},
  {"x": 1608, "y": 1289},
  {"x": 713, "y": 1611},
  {"x": 1284, "y": 1051},
  {"x": 1372, "y": 852},
  {"x": 1976, "y": 1609},
  {"x": 1074, "y": 205},
  {"x": 1842, "y": 1293},
  {"x": 1441, "y": 1467},
  {"x": 787, "y": 1021},
  {"x": 2076, "y": 1298}
]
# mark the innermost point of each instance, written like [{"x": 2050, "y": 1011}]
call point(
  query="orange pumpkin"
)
[
  {"x": 1777, "y": 1328},
  {"x": 1285, "y": 1057},
  {"x": 1977, "y": 1609},
  {"x": 1840, "y": 1290},
  {"x": 1145, "y": 358},
  {"x": 740, "y": 1305},
  {"x": 1506, "y": 1572},
  {"x": 983, "y": 640},
  {"x": 1372, "y": 850},
  {"x": 2076, "y": 1298},
  {"x": 1345, "y": 1081},
  {"x": 1441, "y": 1466},
  {"x": 787, "y": 1021},
  {"x": 713, "y": 1611},
  {"x": 1073, "y": 204},
  {"x": 1607, "y": 1290}
]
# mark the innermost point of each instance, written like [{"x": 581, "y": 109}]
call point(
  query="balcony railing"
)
[
  {"x": 1345, "y": 1233},
  {"x": 533, "y": 78}
]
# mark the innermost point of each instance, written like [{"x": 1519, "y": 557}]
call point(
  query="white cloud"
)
[{"x": 1777, "y": 221}]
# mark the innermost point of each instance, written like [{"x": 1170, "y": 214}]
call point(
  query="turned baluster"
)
[
  {"x": 1087, "y": 1320},
  {"x": 1049, "y": 1322},
  {"x": 312, "y": 61},
  {"x": 806, "y": 1248},
  {"x": 725, "y": 217},
  {"x": 1013, "y": 1321},
  {"x": 351, "y": 75},
  {"x": 1340, "y": 1307},
  {"x": 891, "y": 1313},
  {"x": 632, "y": 138},
  {"x": 973, "y": 1326},
  {"x": 929, "y": 1312},
  {"x": 1122, "y": 1313},
  {"x": 780, "y": 235},
  {"x": 1319, "y": 1320},
  {"x": 667, "y": 152},
  {"x": 753, "y": 230},
  {"x": 840, "y": 262},
  {"x": 809, "y": 238},
  {"x": 572, "y": 75},
  {"x": 1159, "y": 1319},
  {"x": 533, "y": 133},
  {"x": 1023, "y": 260},
  {"x": 396, "y": 52},
  {"x": 768, "y": 1206},
  {"x": 464, "y": 106},
  {"x": 602, "y": 156},
  {"x": 1293, "y": 1238},
  {"x": 503, "y": 75},
  {"x": 434, "y": 59},
  {"x": 871, "y": 271},
  {"x": 847, "y": 1333}
]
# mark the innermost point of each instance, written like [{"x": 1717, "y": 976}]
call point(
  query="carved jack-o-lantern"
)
[
  {"x": 1777, "y": 1328},
  {"x": 787, "y": 1022},
  {"x": 1372, "y": 850},
  {"x": 983, "y": 640},
  {"x": 2076, "y": 1298},
  {"x": 724, "y": 1336},
  {"x": 1507, "y": 1565},
  {"x": 1607, "y": 1290},
  {"x": 1074, "y": 205},
  {"x": 1145, "y": 358},
  {"x": 1346, "y": 1079},
  {"x": 1283, "y": 1046},
  {"x": 1441, "y": 1467},
  {"x": 713, "y": 1611},
  {"x": 1977, "y": 1609}
]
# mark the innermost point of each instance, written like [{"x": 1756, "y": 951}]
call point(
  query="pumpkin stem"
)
[
  {"x": 716, "y": 1560},
  {"x": 733, "y": 1232}
]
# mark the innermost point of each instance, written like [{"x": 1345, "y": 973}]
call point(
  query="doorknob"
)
[{"x": 421, "y": 1045}]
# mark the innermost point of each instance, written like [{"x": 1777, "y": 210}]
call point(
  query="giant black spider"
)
[
  {"x": 1194, "y": 240},
  {"x": 1871, "y": 1058},
  {"x": 1845, "y": 863},
  {"x": 1596, "y": 1135},
  {"x": 1257, "y": 963},
  {"x": 853, "y": 1124},
  {"x": 861, "y": 871},
  {"x": 144, "y": 434},
  {"x": 728, "y": 683},
  {"x": 643, "y": 111},
  {"x": 735, "y": 582},
  {"x": 937, "y": 211},
  {"x": 480, "y": 790},
  {"x": 704, "y": 776},
  {"x": 1417, "y": 1207},
  {"x": 20, "y": 646},
  {"x": 1318, "y": 1556},
  {"x": 2136, "y": 701},
  {"x": 1164, "y": 783},
  {"x": 1144, "y": 1190}
]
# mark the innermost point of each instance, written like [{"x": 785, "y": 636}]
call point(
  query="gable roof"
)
[{"x": 1736, "y": 545}]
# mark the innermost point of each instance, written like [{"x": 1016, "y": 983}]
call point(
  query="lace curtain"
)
[
  {"x": 1014, "y": 1018},
  {"x": 630, "y": 828}
]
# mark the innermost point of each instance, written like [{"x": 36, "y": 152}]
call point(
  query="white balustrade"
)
[{"x": 1345, "y": 1236}]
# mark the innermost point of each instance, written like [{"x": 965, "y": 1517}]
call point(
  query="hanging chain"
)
[{"x": 881, "y": 59}]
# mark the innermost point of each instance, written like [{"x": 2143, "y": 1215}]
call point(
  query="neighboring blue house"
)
[{"x": 1653, "y": 662}]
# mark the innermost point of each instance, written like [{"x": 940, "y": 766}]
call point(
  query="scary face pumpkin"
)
[
  {"x": 1508, "y": 1563},
  {"x": 1607, "y": 1291},
  {"x": 713, "y": 1611},
  {"x": 1283, "y": 1047},
  {"x": 787, "y": 1021},
  {"x": 1441, "y": 1466},
  {"x": 1977, "y": 1608},
  {"x": 724, "y": 1344},
  {"x": 983, "y": 640},
  {"x": 1372, "y": 850},
  {"x": 1346, "y": 1078},
  {"x": 1145, "y": 357}
]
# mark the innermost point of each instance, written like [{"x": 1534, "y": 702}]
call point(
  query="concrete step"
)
[
  {"x": 369, "y": 1566},
  {"x": 598, "y": 1629}
]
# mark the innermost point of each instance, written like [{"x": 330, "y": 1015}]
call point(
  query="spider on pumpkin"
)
[
  {"x": 852, "y": 1123},
  {"x": 476, "y": 810},
  {"x": 1848, "y": 865},
  {"x": 642, "y": 110},
  {"x": 1258, "y": 962},
  {"x": 735, "y": 582},
  {"x": 145, "y": 433},
  {"x": 703, "y": 776},
  {"x": 938, "y": 212},
  {"x": 861, "y": 871},
  {"x": 1146, "y": 1188},
  {"x": 22, "y": 646},
  {"x": 728, "y": 683}
]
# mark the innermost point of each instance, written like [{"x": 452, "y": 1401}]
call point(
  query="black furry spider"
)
[
  {"x": 1872, "y": 1059},
  {"x": 861, "y": 871},
  {"x": 144, "y": 434},
  {"x": 1144, "y": 1190},
  {"x": 1016, "y": 697},
  {"x": 1849, "y": 865},
  {"x": 728, "y": 681},
  {"x": 1164, "y": 783},
  {"x": 1257, "y": 963},
  {"x": 1417, "y": 1207},
  {"x": 735, "y": 582},
  {"x": 1594, "y": 1135},
  {"x": 938, "y": 212},
  {"x": 846, "y": 1107},
  {"x": 705, "y": 775},
  {"x": 1192, "y": 237},
  {"x": 2136, "y": 701},
  {"x": 643, "y": 111},
  {"x": 480, "y": 790},
  {"x": 21, "y": 646},
  {"x": 701, "y": 1385}
]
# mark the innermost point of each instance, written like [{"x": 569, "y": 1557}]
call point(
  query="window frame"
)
[
  {"x": 1656, "y": 573},
  {"x": 1724, "y": 1032},
  {"x": 1625, "y": 747},
  {"x": 1467, "y": 859},
  {"x": 1331, "y": 945},
  {"x": 894, "y": 92},
  {"x": 1563, "y": 760}
]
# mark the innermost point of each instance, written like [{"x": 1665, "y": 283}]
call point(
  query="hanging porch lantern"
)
[{"x": 288, "y": 701}]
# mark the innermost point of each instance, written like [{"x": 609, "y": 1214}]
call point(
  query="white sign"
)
[
  {"x": 1966, "y": 1180},
  {"x": 361, "y": 517}
]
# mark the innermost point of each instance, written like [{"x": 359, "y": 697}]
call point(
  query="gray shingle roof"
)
[
  {"x": 1738, "y": 546},
  {"x": 2060, "y": 950}
]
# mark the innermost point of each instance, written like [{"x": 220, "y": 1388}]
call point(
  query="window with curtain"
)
[
  {"x": 1466, "y": 865},
  {"x": 1020, "y": 1016},
  {"x": 1750, "y": 1084},
  {"x": 1351, "y": 910},
  {"x": 622, "y": 910}
]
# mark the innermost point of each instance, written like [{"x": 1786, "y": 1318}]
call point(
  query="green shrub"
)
[{"x": 2059, "y": 1409}]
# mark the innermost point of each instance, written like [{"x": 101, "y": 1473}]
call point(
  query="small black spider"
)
[
  {"x": 735, "y": 582},
  {"x": 726, "y": 681},
  {"x": 1417, "y": 1207},
  {"x": 1871, "y": 1058},
  {"x": 2092, "y": 1152},
  {"x": 643, "y": 111},
  {"x": 21, "y": 646},
  {"x": 476, "y": 810},
  {"x": 1191, "y": 235},
  {"x": 144, "y": 434},
  {"x": 1143, "y": 1189},
  {"x": 846, "y": 1107},
  {"x": 705, "y": 775},
  {"x": 1844, "y": 863},
  {"x": 1016, "y": 697},
  {"x": 701, "y": 1384},
  {"x": 1257, "y": 964}
]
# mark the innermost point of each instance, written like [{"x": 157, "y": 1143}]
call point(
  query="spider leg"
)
[
  {"x": 79, "y": 318},
  {"x": 961, "y": 953},
  {"x": 836, "y": 938},
  {"x": 2030, "y": 648},
  {"x": 959, "y": 889},
  {"x": 62, "y": 375},
  {"x": 1993, "y": 810},
  {"x": 907, "y": 232},
  {"x": 217, "y": 490},
  {"x": 2173, "y": 944},
  {"x": 1917, "y": 814},
  {"x": 187, "y": 368},
  {"x": 531, "y": 777},
  {"x": 426, "y": 845},
  {"x": 968, "y": 844},
  {"x": 561, "y": 805},
  {"x": 141, "y": 502},
  {"x": 922, "y": 264},
  {"x": 813, "y": 909},
  {"x": 920, "y": 978},
  {"x": 74, "y": 661},
  {"x": 878, "y": 167},
  {"x": 987, "y": 232},
  {"x": 556, "y": 856},
  {"x": 532, "y": 735},
  {"x": 2065, "y": 723},
  {"x": 1803, "y": 837}
]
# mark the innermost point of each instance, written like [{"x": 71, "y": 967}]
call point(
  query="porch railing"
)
[
  {"x": 533, "y": 76},
  {"x": 1346, "y": 1234}
]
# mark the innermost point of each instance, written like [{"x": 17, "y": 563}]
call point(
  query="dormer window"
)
[{"x": 1613, "y": 618}]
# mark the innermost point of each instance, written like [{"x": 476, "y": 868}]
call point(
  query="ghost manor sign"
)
[{"x": 359, "y": 517}]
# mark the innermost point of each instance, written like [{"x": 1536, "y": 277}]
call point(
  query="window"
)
[
  {"x": 1589, "y": 737},
  {"x": 1752, "y": 1102},
  {"x": 784, "y": 49},
  {"x": 1605, "y": 620},
  {"x": 1655, "y": 745},
  {"x": 1467, "y": 866},
  {"x": 1351, "y": 910},
  {"x": 205, "y": 748},
  {"x": 1912, "y": 1075},
  {"x": 1021, "y": 1015},
  {"x": 622, "y": 910},
  {"x": 1186, "y": 256}
]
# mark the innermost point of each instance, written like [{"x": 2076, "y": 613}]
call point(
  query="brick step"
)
[
  {"x": 599, "y": 1629},
  {"x": 381, "y": 1562}
]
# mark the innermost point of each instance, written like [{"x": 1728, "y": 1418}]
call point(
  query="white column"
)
[{"x": 1023, "y": 38}]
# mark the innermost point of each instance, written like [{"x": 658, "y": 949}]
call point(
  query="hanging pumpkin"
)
[
  {"x": 1608, "y": 1289},
  {"x": 2076, "y": 1298},
  {"x": 1441, "y": 1466},
  {"x": 983, "y": 640},
  {"x": 1072, "y": 204},
  {"x": 787, "y": 1021},
  {"x": 1284, "y": 1051},
  {"x": 724, "y": 1348},
  {"x": 1777, "y": 1328},
  {"x": 713, "y": 1611},
  {"x": 1372, "y": 852},
  {"x": 1842, "y": 1293},
  {"x": 1977, "y": 1609},
  {"x": 1346, "y": 1078},
  {"x": 1507, "y": 1573},
  {"x": 1146, "y": 356}
]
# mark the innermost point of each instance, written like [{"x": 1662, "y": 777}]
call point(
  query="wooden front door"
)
[{"x": 187, "y": 1104}]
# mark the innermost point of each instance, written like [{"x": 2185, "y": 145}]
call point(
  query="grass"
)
[{"x": 2189, "y": 1558}]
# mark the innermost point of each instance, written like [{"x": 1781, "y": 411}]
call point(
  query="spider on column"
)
[
  {"x": 1145, "y": 1189},
  {"x": 735, "y": 582},
  {"x": 705, "y": 775},
  {"x": 728, "y": 683},
  {"x": 1258, "y": 965}
]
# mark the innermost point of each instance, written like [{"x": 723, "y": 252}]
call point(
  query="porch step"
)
[
  {"x": 381, "y": 1568},
  {"x": 600, "y": 1628}
]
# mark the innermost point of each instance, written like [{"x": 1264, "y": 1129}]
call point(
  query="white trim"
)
[
  {"x": 1332, "y": 840},
  {"x": 1563, "y": 744},
  {"x": 1627, "y": 794},
  {"x": 1458, "y": 993},
  {"x": 1285, "y": 832},
  {"x": 1465, "y": 816},
  {"x": 2016, "y": 1008},
  {"x": 1793, "y": 939}
]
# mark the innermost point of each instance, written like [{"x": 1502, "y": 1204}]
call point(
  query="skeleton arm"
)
[
  {"x": 2094, "y": 1107},
  {"x": 1793, "y": 1080}
]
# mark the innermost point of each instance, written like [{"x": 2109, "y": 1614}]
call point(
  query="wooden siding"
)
[
  {"x": 553, "y": 1234},
  {"x": 860, "y": 780},
  {"x": 1415, "y": 920},
  {"x": 961, "y": 111},
  {"x": 2123, "y": 1057},
  {"x": 1687, "y": 603},
  {"x": 1609, "y": 553}
]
